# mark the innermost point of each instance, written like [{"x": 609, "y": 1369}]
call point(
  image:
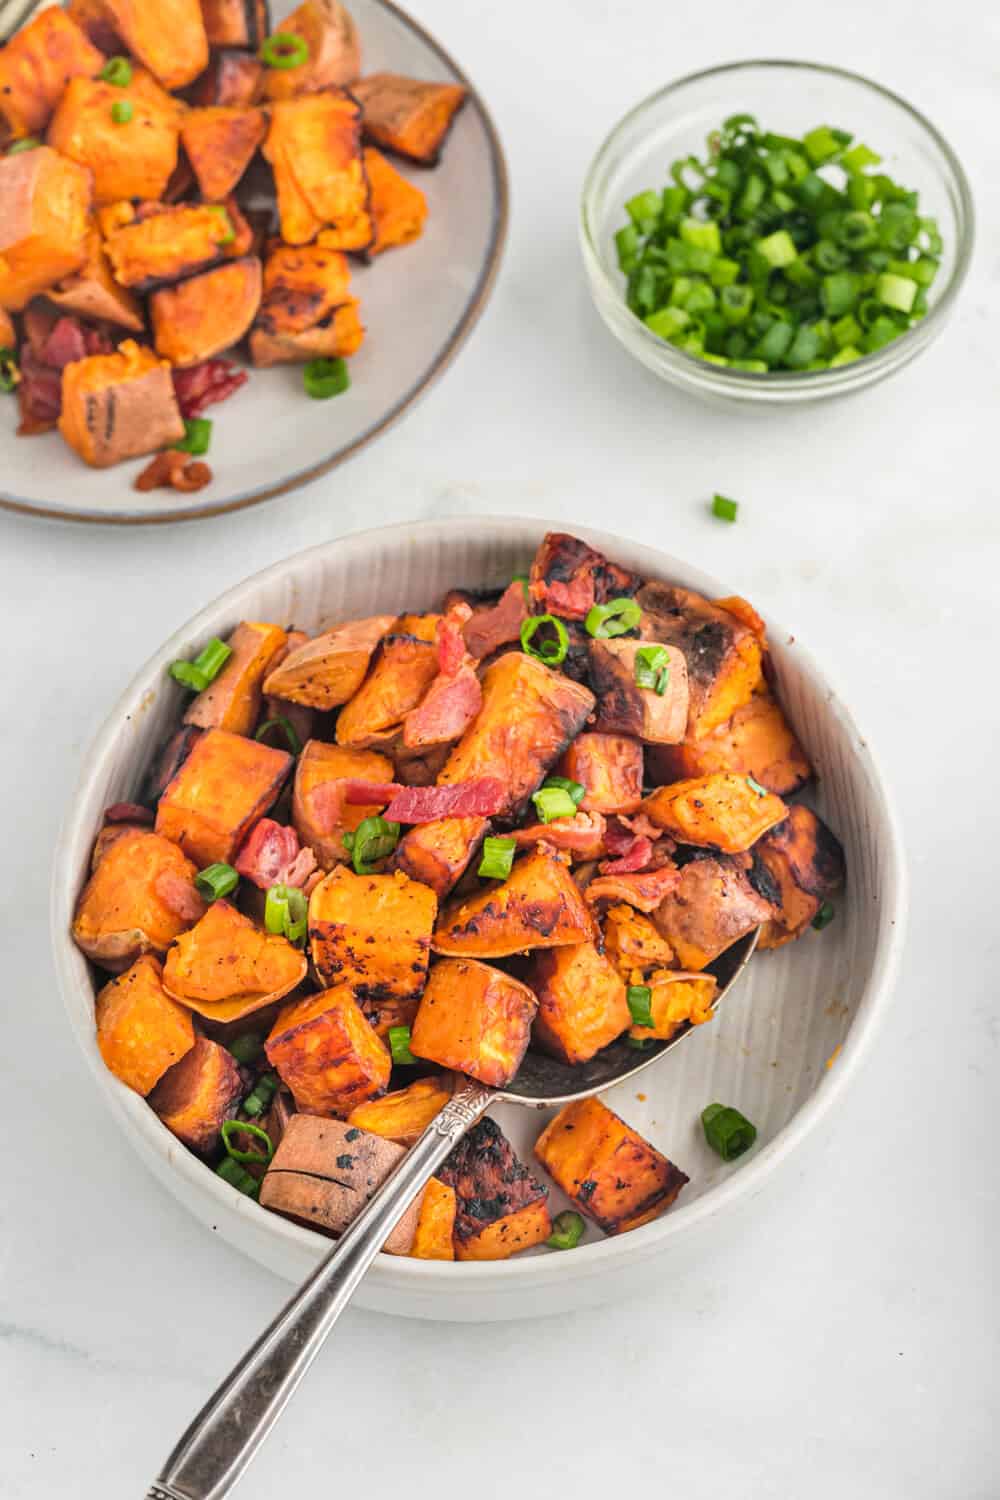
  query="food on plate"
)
[
  {"x": 35, "y": 67},
  {"x": 220, "y": 142},
  {"x": 399, "y": 208},
  {"x": 235, "y": 23},
  {"x": 406, "y": 116},
  {"x": 778, "y": 253},
  {"x": 407, "y": 850},
  {"x": 323, "y": 35},
  {"x": 727, "y": 1131},
  {"x": 199, "y": 318},
  {"x": 117, "y": 406},
  {"x": 44, "y": 205}
]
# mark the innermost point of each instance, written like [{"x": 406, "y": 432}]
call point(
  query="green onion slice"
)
[
  {"x": 205, "y": 668},
  {"x": 286, "y": 912},
  {"x": 498, "y": 858},
  {"x": 575, "y": 789},
  {"x": 755, "y": 786},
  {"x": 323, "y": 378},
  {"x": 553, "y": 802},
  {"x": 10, "y": 370},
  {"x": 727, "y": 1131},
  {"x": 26, "y": 143},
  {"x": 652, "y": 668},
  {"x": 374, "y": 839},
  {"x": 614, "y": 618},
  {"x": 640, "y": 1004},
  {"x": 551, "y": 652},
  {"x": 216, "y": 881},
  {"x": 640, "y": 1043},
  {"x": 242, "y": 1127},
  {"x": 567, "y": 1230},
  {"x": 228, "y": 230},
  {"x": 238, "y": 1177},
  {"x": 260, "y": 1096},
  {"x": 117, "y": 70},
  {"x": 824, "y": 916},
  {"x": 399, "y": 1046},
  {"x": 121, "y": 111},
  {"x": 247, "y": 1048},
  {"x": 287, "y": 728},
  {"x": 284, "y": 50},
  {"x": 197, "y": 436},
  {"x": 724, "y": 508}
]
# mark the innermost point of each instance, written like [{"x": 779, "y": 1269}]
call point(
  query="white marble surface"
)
[{"x": 847, "y": 1345}]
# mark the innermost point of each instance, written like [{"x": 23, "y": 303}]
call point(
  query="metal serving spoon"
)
[{"x": 226, "y": 1433}]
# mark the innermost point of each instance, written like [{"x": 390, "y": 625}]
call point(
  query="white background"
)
[{"x": 846, "y": 1345}]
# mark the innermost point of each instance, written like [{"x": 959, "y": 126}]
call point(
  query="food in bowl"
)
[
  {"x": 413, "y": 846},
  {"x": 177, "y": 187}
]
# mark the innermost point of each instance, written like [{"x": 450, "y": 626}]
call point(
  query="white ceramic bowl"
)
[{"x": 766, "y": 1052}]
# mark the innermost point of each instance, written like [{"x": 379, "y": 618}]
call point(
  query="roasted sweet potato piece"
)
[
  {"x": 334, "y": 51},
  {"x": 372, "y": 932},
  {"x": 568, "y": 577},
  {"x": 757, "y": 741},
  {"x": 339, "y": 335},
  {"x": 169, "y": 760},
  {"x": 676, "y": 1000},
  {"x": 225, "y": 784},
  {"x": 724, "y": 658},
  {"x": 314, "y": 147},
  {"x": 225, "y": 967},
  {"x": 307, "y": 311},
  {"x": 633, "y": 944},
  {"x": 539, "y": 905},
  {"x": 141, "y": 1032},
  {"x": 131, "y": 160},
  {"x": 233, "y": 79},
  {"x": 220, "y": 143},
  {"x": 714, "y": 903},
  {"x": 324, "y": 1172},
  {"x": 93, "y": 292},
  {"x": 233, "y": 700},
  {"x": 96, "y": 24},
  {"x": 623, "y": 707},
  {"x": 402, "y": 670},
  {"x": 720, "y": 811},
  {"x": 383, "y": 1015},
  {"x": 399, "y": 208},
  {"x": 475, "y": 1019},
  {"x": 140, "y": 897},
  {"x": 438, "y": 853},
  {"x": 118, "y": 406},
  {"x": 433, "y": 1238},
  {"x": 404, "y": 1115},
  {"x": 581, "y": 1002},
  {"x": 807, "y": 863},
  {"x": 235, "y": 23},
  {"x": 319, "y": 813},
  {"x": 330, "y": 668},
  {"x": 407, "y": 116},
  {"x": 173, "y": 240},
  {"x": 196, "y": 1097},
  {"x": 169, "y": 41},
  {"x": 36, "y": 65},
  {"x": 613, "y": 1176},
  {"x": 8, "y": 338},
  {"x": 609, "y": 768},
  {"x": 44, "y": 204},
  {"x": 206, "y": 314},
  {"x": 325, "y": 1051},
  {"x": 502, "y": 1208}
]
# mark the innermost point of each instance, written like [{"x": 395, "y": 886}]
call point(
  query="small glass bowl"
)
[{"x": 789, "y": 98}]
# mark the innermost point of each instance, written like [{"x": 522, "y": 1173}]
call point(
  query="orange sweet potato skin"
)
[
  {"x": 171, "y": 41},
  {"x": 329, "y": 669},
  {"x": 720, "y": 811},
  {"x": 581, "y": 1002},
  {"x": 199, "y": 318},
  {"x": 225, "y": 967},
  {"x": 433, "y": 1238},
  {"x": 401, "y": 672},
  {"x": 713, "y": 905},
  {"x": 756, "y": 741},
  {"x": 609, "y": 767},
  {"x": 408, "y": 116},
  {"x": 118, "y": 406},
  {"x": 35, "y": 66},
  {"x": 141, "y": 1032},
  {"x": 233, "y": 700},
  {"x": 474, "y": 1019},
  {"x": 224, "y": 786},
  {"x": 44, "y": 208},
  {"x": 132, "y": 160},
  {"x": 314, "y": 147},
  {"x": 405, "y": 1114},
  {"x": 612, "y": 1174},
  {"x": 501, "y": 1207},
  {"x": 198, "y": 1095},
  {"x": 372, "y": 932},
  {"x": 806, "y": 862},
  {"x": 320, "y": 818},
  {"x": 140, "y": 897},
  {"x": 327, "y": 1054},
  {"x": 724, "y": 658},
  {"x": 93, "y": 292},
  {"x": 399, "y": 208},
  {"x": 539, "y": 905}
]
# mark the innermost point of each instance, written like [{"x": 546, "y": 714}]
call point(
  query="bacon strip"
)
[
  {"x": 636, "y": 857},
  {"x": 364, "y": 793},
  {"x": 466, "y": 799},
  {"x": 489, "y": 629},
  {"x": 180, "y": 895},
  {"x": 643, "y": 890},
  {"x": 448, "y": 708},
  {"x": 270, "y": 855},
  {"x": 128, "y": 812},
  {"x": 583, "y": 834}
]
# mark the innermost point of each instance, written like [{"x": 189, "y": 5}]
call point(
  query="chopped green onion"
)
[
  {"x": 241, "y": 1127},
  {"x": 640, "y": 1043},
  {"x": 755, "y": 786},
  {"x": 701, "y": 232},
  {"x": 26, "y": 143},
  {"x": 238, "y": 1177},
  {"x": 551, "y": 652},
  {"x": 287, "y": 728},
  {"x": 216, "y": 881},
  {"x": 286, "y": 912},
  {"x": 567, "y": 1230},
  {"x": 284, "y": 50},
  {"x": 121, "y": 111},
  {"x": 10, "y": 370},
  {"x": 205, "y": 668},
  {"x": 247, "y": 1048},
  {"x": 117, "y": 70},
  {"x": 725, "y": 509},
  {"x": 640, "y": 1004},
  {"x": 824, "y": 916},
  {"x": 821, "y": 144},
  {"x": 652, "y": 668},
  {"x": 899, "y": 292},
  {"x": 228, "y": 231},
  {"x": 498, "y": 857},
  {"x": 197, "y": 436},
  {"x": 553, "y": 802},
  {"x": 575, "y": 789},
  {"x": 399, "y": 1046},
  {"x": 727, "y": 1131},
  {"x": 614, "y": 618},
  {"x": 859, "y": 157},
  {"x": 778, "y": 249},
  {"x": 323, "y": 378},
  {"x": 260, "y": 1096},
  {"x": 374, "y": 840}
]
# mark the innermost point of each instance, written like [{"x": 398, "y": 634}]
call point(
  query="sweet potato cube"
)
[
  {"x": 171, "y": 43},
  {"x": 407, "y": 116},
  {"x": 334, "y": 59},
  {"x": 623, "y": 707},
  {"x": 402, "y": 670},
  {"x": 199, "y": 318},
  {"x": 713, "y": 905},
  {"x": 806, "y": 862},
  {"x": 224, "y": 786},
  {"x": 757, "y": 741},
  {"x": 235, "y": 23},
  {"x": 307, "y": 309},
  {"x": 399, "y": 208},
  {"x": 632, "y": 943},
  {"x": 609, "y": 768},
  {"x": 475, "y": 1019},
  {"x": 539, "y": 905},
  {"x": 724, "y": 658},
  {"x": 169, "y": 241},
  {"x": 581, "y": 1002},
  {"x": 93, "y": 292},
  {"x": 324, "y": 1172},
  {"x": 199, "y": 1094},
  {"x": 44, "y": 207},
  {"x": 118, "y": 406},
  {"x": 233, "y": 700},
  {"x": 141, "y": 1032},
  {"x": 568, "y": 577},
  {"x": 225, "y": 967},
  {"x": 676, "y": 999},
  {"x": 327, "y": 1054},
  {"x": 501, "y": 1207},
  {"x": 36, "y": 65},
  {"x": 314, "y": 147},
  {"x": 330, "y": 668},
  {"x": 404, "y": 1115},
  {"x": 220, "y": 142},
  {"x": 720, "y": 811},
  {"x": 434, "y": 1237},
  {"x": 372, "y": 933},
  {"x": 613, "y": 1176},
  {"x": 319, "y": 812},
  {"x": 132, "y": 160},
  {"x": 383, "y": 1015},
  {"x": 232, "y": 80},
  {"x": 438, "y": 853},
  {"x": 140, "y": 897}
]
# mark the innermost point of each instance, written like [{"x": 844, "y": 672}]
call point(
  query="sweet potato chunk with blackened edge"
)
[
  {"x": 613, "y": 1176},
  {"x": 165, "y": 241},
  {"x": 132, "y": 160},
  {"x": 220, "y": 142},
  {"x": 170, "y": 41},
  {"x": 372, "y": 932},
  {"x": 206, "y": 314},
  {"x": 330, "y": 668},
  {"x": 223, "y": 787},
  {"x": 225, "y": 967},
  {"x": 434, "y": 1238},
  {"x": 141, "y": 1032},
  {"x": 633, "y": 945},
  {"x": 581, "y": 1002},
  {"x": 807, "y": 864},
  {"x": 475, "y": 1019},
  {"x": 407, "y": 116},
  {"x": 232, "y": 80},
  {"x": 438, "y": 853},
  {"x": 399, "y": 208},
  {"x": 404, "y": 1115},
  {"x": 196, "y": 1097},
  {"x": 724, "y": 658},
  {"x": 314, "y": 147},
  {"x": 330, "y": 34},
  {"x": 757, "y": 741},
  {"x": 721, "y": 811},
  {"x": 401, "y": 672},
  {"x": 44, "y": 204},
  {"x": 327, "y": 1054},
  {"x": 36, "y": 65},
  {"x": 539, "y": 905},
  {"x": 713, "y": 905},
  {"x": 319, "y": 813},
  {"x": 139, "y": 898},
  {"x": 307, "y": 309},
  {"x": 233, "y": 700},
  {"x": 502, "y": 1208},
  {"x": 324, "y": 1172},
  {"x": 93, "y": 292},
  {"x": 609, "y": 768},
  {"x": 676, "y": 1000},
  {"x": 118, "y": 406},
  {"x": 623, "y": 707},
  {"x": 568, "y": 577},
  {"x": 235, "y": 23}
]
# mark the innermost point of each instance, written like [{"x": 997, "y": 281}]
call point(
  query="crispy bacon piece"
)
[
  {"x": 270, "y": 855},
  {"x": 582, "y": 834},
  {"x": 448, "y": 708},
  {"x": 568, "y": 578},
  {"x": 177, "y": 893},
  {"x": 171, "y": 470},
  {"x": 206, "y": 384},
  {"x": 128, "y": 812},
  {"x": 358, "y": 793},
  {"x": 644, "y": 890},
  {"x": 640, "y": 824},
  {"x": 450, "y": 640},
  {"x": 52, "y": 342},
  {"x": 463, "y": 799},
  {"x": 635, "y": 857},
  {"x": 498, "y": 624}
]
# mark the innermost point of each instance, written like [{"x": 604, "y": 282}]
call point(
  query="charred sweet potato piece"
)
[
  {"x": 383, "y": 1015},
  {"x": 757, "y": 741},
  {"x": 233, "y": 700},
  {"x": 676, "y": 1000},
  {"x": 402, "y": 670},
  {"x": 609, "y": 768},
  {"x": 475, "y": 1019},
  {"x": 304, "y": 285},
  {"x": 196, "y": 1097},
  {"x": 324, "y": 1172},
  {"x": 8, "y": 338},
  {"x": 568, "y": 577},
  {"x": 539, "y": 905},
  {"x": 330, "y": 668},
  {"x": 713, "y": 905},
  {"x": 44, "y": 204},
  {"x": 220, "y": 143},
  {"x": 724, "y": 658},
  {"x": 325, "y": 1051},
  {"x": 94, "y": 21},
  {"x": 438, "y": 853},
  {"x": 131, "y": 160},
  {"x": 623, "y": 707},
  {"x": 173, "y": 241},
  {"x": 372, "y": 932},
  {"x": 807, "y": 863},
  {"x": 404, "y": 1115},
  {"x": 407, "y": 116},
  {"x": 336, "y": 336},
  {"x": 334, "y": 60},
  {"x": 93, "y": 292},
  {"x": 235, "y": 23},
  {"x": 225, "y": 967},
  {"x": 633, "y": 944},
  {"x": 140, "y": 897},
  {"x": 225, "y": 784},
  {"x": 581, "y": 1002},
  {"x": 233, "y": 79},
  {"x": 613, "y": 1176},
  {"x": 433, "y": 1238},
  {"x": 320, "y": 815},
  {"x": 36, "y": 65},
  {"x": 399, "y": 208},
  {"x": 501, "y": 1207},
  {"x": 169, "y": 760},
  {"x": 206, "y": 314},
  {"x": 141, "y": 1032},
  {"x": 118, "y": 406},
  {"x": 169, "y": 41},
  {"x": 314, "y": 147},
  {"x": 720, "y": 811}
]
